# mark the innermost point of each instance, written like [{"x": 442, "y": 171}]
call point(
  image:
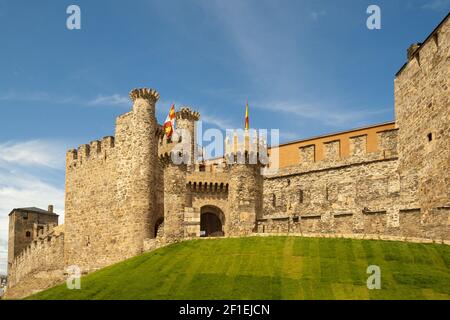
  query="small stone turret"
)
[
  {"x": 246, "y": 182},
  {"x": 186, "y": 119},
  {"x": 144, "y": 153}
]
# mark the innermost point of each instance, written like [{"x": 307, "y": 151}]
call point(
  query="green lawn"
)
[{"x": 271, "y": 268}]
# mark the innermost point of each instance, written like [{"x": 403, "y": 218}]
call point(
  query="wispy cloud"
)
[
  {"x": 325, "y": 115},
  {"x": 35, "y": 96},
  {"x": 315, "y": 15},
  {"x": 437, "y": 5},
  {"x": 261, "y": 40},
  {"x": 219, "y": 122},
  {"x": 42, "y": 153},
  {"x": 110, "y": 100}
]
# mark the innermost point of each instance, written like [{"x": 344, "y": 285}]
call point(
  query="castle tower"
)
[
  {"x": 174, "y": 196},
  {"x": 186, "y": 119},
  {"x": 245, "y": 184},
  {"x": 144, "y": 153},
  {"x": 24, "y": 227}
]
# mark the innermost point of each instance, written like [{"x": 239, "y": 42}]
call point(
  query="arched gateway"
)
[{"x": 212, "y": 221}]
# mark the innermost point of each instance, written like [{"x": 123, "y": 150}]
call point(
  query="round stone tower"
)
[
  {"x": 174, "y": 197},
  {"x": 185, "y": 120},
  {"x": 245, "y": 184},
  {"x": 144, "y": 154}
]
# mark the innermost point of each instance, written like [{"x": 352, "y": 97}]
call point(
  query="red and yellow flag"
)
[
  {"x": 246, "y": 116},
  {"x": 169, "y": 125}
]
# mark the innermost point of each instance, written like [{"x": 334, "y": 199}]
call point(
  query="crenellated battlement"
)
[
  {"x": 144, "y": 93},
  {"x": 245, "y": 147},
  {"x": 94, "y": 150},
  {"x": 187, "y": 113},
  {"x": 44, "y": 254},
  {"x": 210, "y": 187}
]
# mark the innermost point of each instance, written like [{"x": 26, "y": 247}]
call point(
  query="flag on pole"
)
[
  {"x": 246, "y": 116},
  {"x": 169, "y": 125}
]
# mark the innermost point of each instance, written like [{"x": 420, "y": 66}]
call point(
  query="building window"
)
[
  {"x": 25, "y": 216},
  {"x": 300, "y": 196},
  {"x": 28, "y": 234},
  {"x": 274, "y": 200},
  {"x": 430, "y": 137}
]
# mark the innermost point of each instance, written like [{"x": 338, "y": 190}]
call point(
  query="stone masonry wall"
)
[
  {"x": 44, "y": 255},
  {"x": 90, "y": 206},
  {"x": 422, "y": 106},
  {"x": 111, "y": 205}
]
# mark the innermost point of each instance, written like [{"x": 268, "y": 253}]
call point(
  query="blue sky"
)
[{"x": 306, "y": 67}]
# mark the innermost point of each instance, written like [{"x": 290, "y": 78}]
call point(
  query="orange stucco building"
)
[{"x": 289, "y": 153}]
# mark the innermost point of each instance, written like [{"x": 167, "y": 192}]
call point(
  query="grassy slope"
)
[{"x": 271, "y": 268}]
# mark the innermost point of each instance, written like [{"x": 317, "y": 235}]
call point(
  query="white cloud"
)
[
  {"x": 111, "y": 100},
  {"x": 24, "y": 170},
  {"x": 221, "y": 123},
  {"x": 437, "y": 5},
  {"x": 32, "y": 153}
]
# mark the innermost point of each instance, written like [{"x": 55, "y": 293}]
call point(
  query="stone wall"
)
[
  {"x": 111, "y": 197},
  {"x": 363, "y": 193},
  {"x": 43, "y": 258},
  {"x": 422, "y": 100}
]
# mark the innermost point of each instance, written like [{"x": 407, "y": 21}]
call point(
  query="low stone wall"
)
[
  {"x": 45, "y": 256},
  {"x": 355, "y": 236},
  {"x": 412, "y": 224}
]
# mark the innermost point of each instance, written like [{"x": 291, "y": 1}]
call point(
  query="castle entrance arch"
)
[{"x": 212, "y": 221}]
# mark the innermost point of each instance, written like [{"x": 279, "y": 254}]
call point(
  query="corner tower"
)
[{"x": 144, "y": 154}]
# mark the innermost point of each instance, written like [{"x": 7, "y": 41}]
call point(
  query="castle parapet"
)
[
  {"x": 144, "y": 93},
  {"x": 246, "y": 147},
  {"x": 94, "y": 150},
  {"x": 44, "y": 254},
  {"x": 186, "y": 113}
]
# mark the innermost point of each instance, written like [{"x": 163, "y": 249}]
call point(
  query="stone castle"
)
[{"x": 124, "y": 195}]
